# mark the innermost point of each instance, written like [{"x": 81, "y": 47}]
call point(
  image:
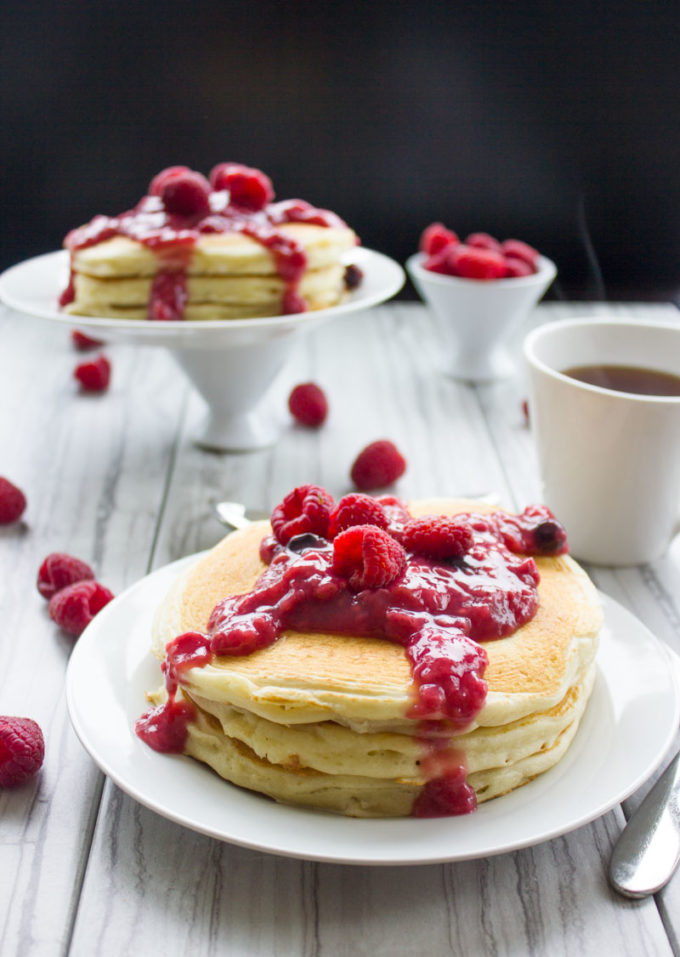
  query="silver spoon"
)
[
  {"x": 648, "y": 850},
  {"x": 233, "y": 514}
]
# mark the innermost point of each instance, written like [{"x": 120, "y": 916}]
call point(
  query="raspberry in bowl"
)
[{"x": 479, "y": 289}]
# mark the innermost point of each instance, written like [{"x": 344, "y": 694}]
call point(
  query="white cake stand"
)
[{"x": 231, "y": 362}]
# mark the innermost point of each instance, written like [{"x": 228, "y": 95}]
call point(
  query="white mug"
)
[{"x": 609, "y": 461}]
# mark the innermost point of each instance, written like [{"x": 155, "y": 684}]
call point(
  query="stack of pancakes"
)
[
  {"x": 228, "y": 275},
  {"x": 321, "y": 719}
]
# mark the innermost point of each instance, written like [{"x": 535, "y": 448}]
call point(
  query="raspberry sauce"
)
[
  {"x": 164, "y": 728},
  {"x": 440, "y": 612},
  {"x": 172, "y": 236}
]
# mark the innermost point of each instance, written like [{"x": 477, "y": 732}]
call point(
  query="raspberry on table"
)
[
  {"x": 59, "y": 570},
  {"x": 22, "y": 750},
  {"x": 305, "y": 509},
  {"x": 74, "y": 606},
  {"x": 380, "y": 463},
  {"x": 437, "y": 536},
  {"x": 308, "y": 404},
  {"x": 356, "y": 509},
  {"x": 94, "y": 376},
  {"x": 84, "y": 343},
  {"x": 12, "y": 502},
  {"x": 367, "y": 557}
]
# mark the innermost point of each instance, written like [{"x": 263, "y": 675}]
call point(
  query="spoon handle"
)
[{"x": 648, "y": 850}]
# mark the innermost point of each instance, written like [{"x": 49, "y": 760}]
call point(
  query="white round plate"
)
[
  {"x": 628, "y": 727},
  {"x": 33, "y": 287}
]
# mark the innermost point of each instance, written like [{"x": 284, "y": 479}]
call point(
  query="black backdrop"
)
[{"x": 557, "y": 123}]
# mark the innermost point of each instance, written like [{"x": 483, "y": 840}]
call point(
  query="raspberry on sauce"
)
[
  {"x": 247, "y": 187},
  {"x": 437, "y": 536},
  {"x": 367, "y": 557},
  {"x": 356, "y": 509},
  {"x": 187, "y": 193},
  {"x": 305, "y": 509}
]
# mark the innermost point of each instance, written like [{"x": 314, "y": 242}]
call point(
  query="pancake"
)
[
  {"x": 322, "y": 719},
  {"x": 217, "y": 261}
]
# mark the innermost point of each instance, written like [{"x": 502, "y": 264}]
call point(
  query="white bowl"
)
[{"x": 476, "y": 316}]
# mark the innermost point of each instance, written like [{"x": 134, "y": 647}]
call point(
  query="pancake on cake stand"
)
[{"x": 230, "y": 362}]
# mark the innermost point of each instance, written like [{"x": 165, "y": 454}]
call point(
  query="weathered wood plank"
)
[{"x": 93, "y": 469}]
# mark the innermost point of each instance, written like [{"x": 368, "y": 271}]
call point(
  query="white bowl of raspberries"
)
[{"x": 479, "y": 290}]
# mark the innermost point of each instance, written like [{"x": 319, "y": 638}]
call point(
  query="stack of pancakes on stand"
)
[
  {"x": 321, "y": 719},
  {"x": 229, "y": 276},
  {"x": 194, "y": 249}
]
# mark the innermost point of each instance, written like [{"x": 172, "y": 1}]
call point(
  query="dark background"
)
[{"x": 556, "y": 123}]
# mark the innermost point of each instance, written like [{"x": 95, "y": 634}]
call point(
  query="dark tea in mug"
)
[{"x": 631, "y": 379}]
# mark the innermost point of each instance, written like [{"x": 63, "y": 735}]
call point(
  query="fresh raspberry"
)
[
  {"x": 483, "y": 241},
  {"x": 308, "y": 404},
  {"x": 435, "y": 237},
  {"x": 186, "y": 194},
  {"x": 12, "y": 502},
  {"x": 439, "y": 262},
  {"x": 469, "y": 262},
  {"x": 59, "y": 570},
  {"x": 519, "y": 250},
  {"x": 93, "y": 376},
  {"x": 22, "y": 750},
  {"x": 84, "y": 343},
  {"x": 379, "y": 464},
  {"x": 305, "y": 509},
  {"x": 437, "y": 536},
  {"x": 396, "y": 511},
  {"x": 75, "y": 606},
  {"x": 250, "y": 188},
  {"x": 518, "y": 267},
  {"x": 160, "y": 179},
  {"x": 367, "y": 557},
  {"x": 356, "y": 509}
]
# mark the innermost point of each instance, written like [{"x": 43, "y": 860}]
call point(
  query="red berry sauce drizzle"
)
[
  {"x": 440, "y": 611},
  {"x": 182, "y": 205}
]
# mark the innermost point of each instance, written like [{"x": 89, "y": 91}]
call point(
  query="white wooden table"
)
[{"x": 117, "y": 480}]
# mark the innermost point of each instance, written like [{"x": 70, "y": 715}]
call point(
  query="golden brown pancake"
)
[{"x": 322, "y": 719}]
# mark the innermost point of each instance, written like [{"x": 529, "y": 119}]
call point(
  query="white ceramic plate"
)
[
  {"x": 33, "y": 287},
  {"x": 627, "y": 729}
]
